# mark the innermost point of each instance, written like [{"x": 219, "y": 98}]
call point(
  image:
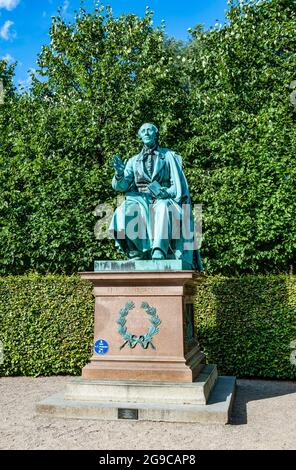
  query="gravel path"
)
[{"x": 264, "y": 417}]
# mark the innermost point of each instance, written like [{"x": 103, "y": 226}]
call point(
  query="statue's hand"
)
[
  {"x": 118, "y": 165},
  {"x": 163, "y": 194}
]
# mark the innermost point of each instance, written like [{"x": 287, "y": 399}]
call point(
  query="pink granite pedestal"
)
[
  {"x": 176, "y": 357},
  {"x": 167, "y": 382}
]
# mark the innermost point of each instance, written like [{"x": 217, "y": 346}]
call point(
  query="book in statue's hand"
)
[{"x": 155, "y": 188}]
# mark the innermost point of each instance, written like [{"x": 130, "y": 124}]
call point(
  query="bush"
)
[
  {"x": 46, "y": 324},
  {"x": 223, "y": 101},
  {"x": 244, "y": 325},
  {"x": 102, "y": 77},
  {"x": 241, "y": 145}
]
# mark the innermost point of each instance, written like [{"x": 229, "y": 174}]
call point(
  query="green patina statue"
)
[{"x": 155, "y": 220}]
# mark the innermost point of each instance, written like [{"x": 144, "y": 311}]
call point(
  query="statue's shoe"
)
[
  {"x": 158, "y": 254},
  {"x": 135, "y": 255}
]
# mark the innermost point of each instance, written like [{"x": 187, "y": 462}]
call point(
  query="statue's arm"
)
[
  {"x": 172, "y": 190},
  {"x": 122, "y": 183}
]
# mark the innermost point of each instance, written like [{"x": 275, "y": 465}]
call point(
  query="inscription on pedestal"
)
[{"x": 127, "y": 413}]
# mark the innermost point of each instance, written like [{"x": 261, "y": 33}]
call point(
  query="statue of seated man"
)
[{"x": 155, "y": 220}]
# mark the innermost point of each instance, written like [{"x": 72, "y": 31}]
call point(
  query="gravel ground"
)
[{"x": 264, "y": 417}]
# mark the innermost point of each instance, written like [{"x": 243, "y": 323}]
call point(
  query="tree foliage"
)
[
  {"x": 103, "y": 77},
  {"x": 241, "y": 154},
  {"x": 223, "y": 100}
]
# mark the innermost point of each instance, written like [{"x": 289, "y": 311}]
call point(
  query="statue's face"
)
[{"x": 147, "y": 134}]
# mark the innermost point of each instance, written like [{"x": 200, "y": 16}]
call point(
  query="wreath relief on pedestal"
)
[{"x": 144, "y": 340}]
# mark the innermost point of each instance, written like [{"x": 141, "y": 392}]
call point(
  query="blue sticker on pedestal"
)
[{"x": 101, "y": 346}]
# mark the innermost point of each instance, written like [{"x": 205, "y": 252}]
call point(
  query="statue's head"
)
[{"x": 148, "y": 133}]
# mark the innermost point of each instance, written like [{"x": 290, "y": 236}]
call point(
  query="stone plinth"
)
[
  {"x": 124, "y": 292},
  {"x": 162, "y": 393},
  {"x": 155, "y": 374},
  {"x": 203, "y": 401}
]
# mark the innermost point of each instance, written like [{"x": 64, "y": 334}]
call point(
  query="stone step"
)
[
  {"x": 190, "y": 393},
  {"x": 217, "y": 410}
]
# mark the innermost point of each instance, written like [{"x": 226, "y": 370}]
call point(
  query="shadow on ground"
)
[{"x": 252, "y": 390}]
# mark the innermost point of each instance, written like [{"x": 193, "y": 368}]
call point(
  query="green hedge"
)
[
  {"x": 46, "y": 324},
  {"x": 245, "y": 324}
]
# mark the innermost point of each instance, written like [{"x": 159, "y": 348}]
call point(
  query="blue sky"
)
[{"x": 24, "y": 24}]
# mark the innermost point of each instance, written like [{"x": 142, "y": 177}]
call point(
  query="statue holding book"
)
[{"x": 155, "y": 220}]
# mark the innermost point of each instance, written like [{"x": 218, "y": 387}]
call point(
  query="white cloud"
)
[
  {"x": 65, "y": 6},
  {"x": 8, "y": 58},
  {"x": 4, "y": 30},
  {"x": 9, "y": 4}
]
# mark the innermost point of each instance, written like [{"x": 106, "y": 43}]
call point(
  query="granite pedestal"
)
[
  {"x": 173, "y": 355},
  {"x": 146, "y": 361}
]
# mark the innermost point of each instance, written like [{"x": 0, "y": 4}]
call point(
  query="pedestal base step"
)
[
  {"x": 187, "y": 393},
  {"x": 146, "y": 371},
  {"x": 217, "y": 410}
]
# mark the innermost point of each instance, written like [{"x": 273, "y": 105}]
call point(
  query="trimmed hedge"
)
[
  {"x": 245, "y": 325},
  {"x": 46, "y": 324}
]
